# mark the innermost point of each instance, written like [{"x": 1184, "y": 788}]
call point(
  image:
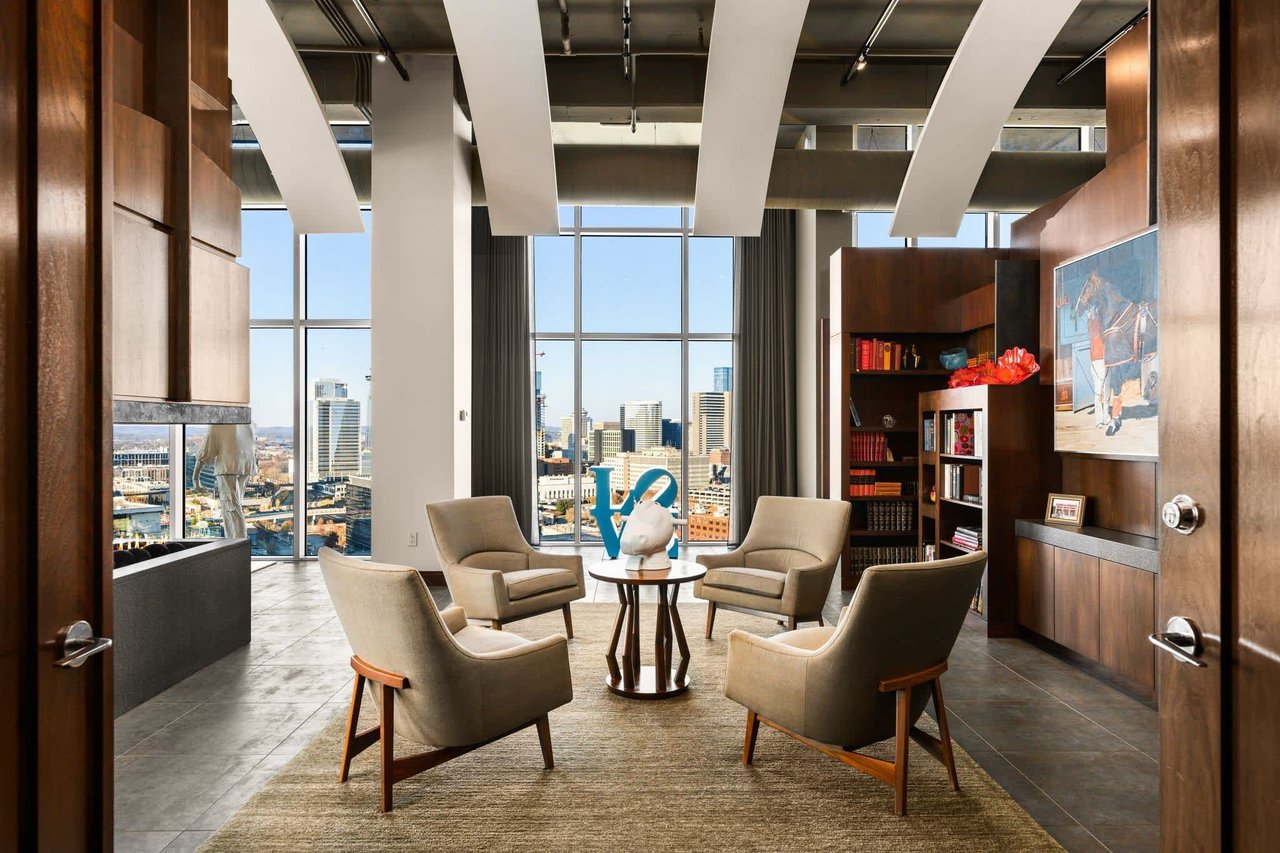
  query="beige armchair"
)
[
  {"x": 492, "y": 572},
  {"x": 785, "y": 564},
  {"x": 436, "y": 679},
  {"x": 841, "y": 688}
]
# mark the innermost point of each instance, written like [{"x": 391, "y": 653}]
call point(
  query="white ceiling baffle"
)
[
  {"x": 753, "y": 45},
  {"x": 277, "y": 97},
  {"x": 499, "y": 45},
  {"x": 1001, "y": 49}
]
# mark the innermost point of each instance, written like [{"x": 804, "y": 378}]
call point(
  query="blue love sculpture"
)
[{"x": 611, "y": 534}]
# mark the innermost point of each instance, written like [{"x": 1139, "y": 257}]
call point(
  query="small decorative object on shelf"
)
[
  {"x": 853, "y": 414},
  {"x": 933, "y": 494},
  {"x": 889, "y": 421},
  {"x": 930, "y": 553},
  {"x": 1013, "y": 368},
  {"x": 912, "y": 360},
  {"x": 954, "y": 359},
  {"x": 1065, "y": 509}
]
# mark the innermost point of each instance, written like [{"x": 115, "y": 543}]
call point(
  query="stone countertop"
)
[{"x": 1128, "y": 549}]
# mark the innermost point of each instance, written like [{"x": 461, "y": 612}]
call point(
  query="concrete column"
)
[
  {"x": 421, "y": 195},
  {"x": 818, "y": 234}
]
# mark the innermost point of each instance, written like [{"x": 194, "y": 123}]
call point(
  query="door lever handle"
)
[
  {"x": 79, "y": 644},
  {"x": 1180, "y": 638}
]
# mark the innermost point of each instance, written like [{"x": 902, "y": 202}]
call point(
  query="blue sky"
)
[{"x": 629, "y": 284}]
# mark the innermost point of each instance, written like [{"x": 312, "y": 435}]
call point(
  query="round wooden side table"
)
[{"x": 632, "y": 680}]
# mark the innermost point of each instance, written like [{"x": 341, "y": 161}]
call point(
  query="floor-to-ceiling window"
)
[{"x": 633, "y": 368}]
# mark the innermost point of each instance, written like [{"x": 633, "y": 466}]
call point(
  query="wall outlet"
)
[{"x": 413, "y": 539}]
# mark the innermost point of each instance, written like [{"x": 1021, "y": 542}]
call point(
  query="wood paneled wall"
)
[{"x": 1112, "y": 205}]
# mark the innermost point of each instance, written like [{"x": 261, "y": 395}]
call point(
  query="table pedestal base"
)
[{"x": 646, "y": 686}]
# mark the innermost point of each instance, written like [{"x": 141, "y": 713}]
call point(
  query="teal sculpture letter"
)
[{"x": 602, "y": 512}]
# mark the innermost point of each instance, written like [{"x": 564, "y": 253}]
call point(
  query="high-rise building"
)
[
  {"x": 334, "y": 449},
  {"x": 539, "y": 415},
  {"x": 645, "y": 418},
  {"x": 723, "y": 378},
  {"x": 672, "y": 433},
  {"x": 609, "y": 439},
  {"x": 712, "y": 421},
  {"x": 568, "y": 431}
]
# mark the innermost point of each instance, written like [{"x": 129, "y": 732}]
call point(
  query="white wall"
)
[{"x": 421, "y": 198}]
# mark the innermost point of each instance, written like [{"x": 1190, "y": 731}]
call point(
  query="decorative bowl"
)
[{"x": 954, "y": 359}]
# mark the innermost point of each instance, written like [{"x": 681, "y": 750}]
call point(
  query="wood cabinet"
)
[
  {"x": 1035, "y": 586},
  {"x": 1098, "y": 608}
]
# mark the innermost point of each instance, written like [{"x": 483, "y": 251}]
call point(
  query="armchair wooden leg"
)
[
  {"x": 791, "y": 623},
  {"x": 386, "y": 743},
  {"x": 544, "y": 735},
  {"x": 948, "y": 758},
  {"x": 749, "y": 743},
  {"x": 495, "y": 624},
  {"x": 711, "y": 617},
  {"x": 354, "y": 742},
  {"x": 568, "y": 622},
  {"x": 902, "y": 743},
  {"x": 821, "y": 624}
]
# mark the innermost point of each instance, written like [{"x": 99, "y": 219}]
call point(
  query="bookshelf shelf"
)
[
  {"x": 883, "y": 534},
  {"x": 904, "y": 373},
  {"x": 860, "y": 498},
  {"x": 954, "y": 502},
  {"x": 947, "y": 543},
  {"x": 961, "y": 458}
]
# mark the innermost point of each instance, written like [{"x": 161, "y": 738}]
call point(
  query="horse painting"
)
[
  {"x": 1129, "y": 332},
  {"x": 1106, "y": 353}
]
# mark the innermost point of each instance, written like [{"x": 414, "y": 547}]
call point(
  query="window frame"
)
[{"x": 684, "y": 337}]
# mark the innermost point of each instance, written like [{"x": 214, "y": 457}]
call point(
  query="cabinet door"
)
[
  {"x": 1035, "y": 587},
  {"x": 1075, "y": 601},
  {"x": 1126, "y": 615}
]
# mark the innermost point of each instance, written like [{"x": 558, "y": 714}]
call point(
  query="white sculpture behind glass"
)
[{"x": 230, "y": 450}]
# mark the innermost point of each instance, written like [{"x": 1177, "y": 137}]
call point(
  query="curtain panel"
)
[
  {"x": 764, "y": 402},
  {"x": 501, "y": 391}
]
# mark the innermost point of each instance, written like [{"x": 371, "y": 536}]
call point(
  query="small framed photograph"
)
[{"x": 1065, "y": 509}]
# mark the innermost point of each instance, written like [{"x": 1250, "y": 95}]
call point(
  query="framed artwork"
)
[
  {"x": 1106, "y": 370},
  {"x": 1065, "y": 509}
]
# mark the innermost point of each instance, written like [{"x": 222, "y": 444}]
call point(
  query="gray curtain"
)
[
  {"x": 501, "y": 395},
  {"x": 764, "y": 365}
]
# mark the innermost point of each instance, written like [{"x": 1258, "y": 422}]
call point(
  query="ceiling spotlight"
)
[
  {"x": 861, "y": 63},
  {"x": 381, "y": 57}
]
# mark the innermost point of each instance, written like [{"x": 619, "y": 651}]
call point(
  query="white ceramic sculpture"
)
[
  {"x": 646, "y": 536},
  {"x": 229, "y": 449}
]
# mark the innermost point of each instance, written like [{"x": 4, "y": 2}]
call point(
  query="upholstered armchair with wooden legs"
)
[
  {"x": 838, "y": 689},
  {"x": 435, "y": 679},
  {"x": 785, "y": 564},
  {"x": 492, "y": 572}
]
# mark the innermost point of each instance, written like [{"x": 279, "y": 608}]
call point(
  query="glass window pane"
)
[
  {"x": 566, "y": 216},
  {"x": 266, "y": 245},
  {"x": 630, "y": 284},
  {"x": 709, "y": 440},
  {"x": 631, "y": 393},
  {"x": 1099, "y": 139},
  {"x": 972, "y": 235},
  {"x": 555, "y": 461},
  {"x": 268, "y": 502},
  {"x": 339, "y": 459},
  {"x": 881, "y": 138},
  {"x": 139, "y": 484},
  {"x": 553, "y": 284},
  {"x": 1006, "y": 226},
  {"x": 202, "y": 508},
  {"x": 711, "y": 284},
  {"x": 630, "y": 217},
  {"x": 873, "y": 230},
  {"x": 1040, "y": 139},
  {"x": 338, "y": 268}
]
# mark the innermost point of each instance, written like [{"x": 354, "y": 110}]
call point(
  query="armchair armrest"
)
[
  {"x": 768, "y": 677},
  {"x": 720, "y": 561},
  {"x": 569, "y": 562},
  {"x": 454, "y": 618},
  {"x": 806, "y": 588},
  {"x": 480, "y": 592}
]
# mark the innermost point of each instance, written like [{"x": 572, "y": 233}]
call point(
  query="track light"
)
[
  {"x": 1102, "y": 48},
  {"x": 864, "y": 54},
  {"x": 381, "y": 57},
  {"x": 861, "y": 62}
]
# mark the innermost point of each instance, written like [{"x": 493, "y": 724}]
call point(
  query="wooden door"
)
[
  {"x": 1218, "y": 71},
  {"x": 55, "y": 759}
]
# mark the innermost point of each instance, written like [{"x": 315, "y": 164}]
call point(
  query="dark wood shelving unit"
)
[
  {"x": 1011, "y": 452},
  {"x": 934, "y": 299}
]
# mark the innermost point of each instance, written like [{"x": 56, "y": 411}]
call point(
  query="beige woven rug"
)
[{"x": 631, "y": 775}]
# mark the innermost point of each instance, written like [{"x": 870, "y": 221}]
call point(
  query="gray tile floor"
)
[{"x": 1081, "y": 757}]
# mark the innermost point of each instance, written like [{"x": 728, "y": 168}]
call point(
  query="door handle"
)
[
  {"x": 1180, "y": 638},
  {"x": 79, "y": 644}
]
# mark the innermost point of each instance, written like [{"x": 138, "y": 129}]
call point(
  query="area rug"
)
[{"x": 630, "y": 775}]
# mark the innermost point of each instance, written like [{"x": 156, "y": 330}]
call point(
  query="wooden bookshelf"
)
[
  {"x": 933, "y": 299},
  {"x": 1010, "y": 457}
]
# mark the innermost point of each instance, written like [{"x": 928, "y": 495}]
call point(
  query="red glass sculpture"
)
[{"x": 1014, "y": 367}]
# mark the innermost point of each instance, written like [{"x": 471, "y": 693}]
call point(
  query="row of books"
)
[
  {"x": 961, "y": 482},
  {"x": 962, "y": 433},
  {"x": 868, "y": 447},
  {"x": 863, "y": 483},
  {"x": 968, "y": 537},
  {"x": 875, "y": 354},
  {"x": 981, "y": 358},
  {"x": 863, "y": 557},
  {"x": 891, "y": 516},
  {"x": 929, "y": 435}
]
